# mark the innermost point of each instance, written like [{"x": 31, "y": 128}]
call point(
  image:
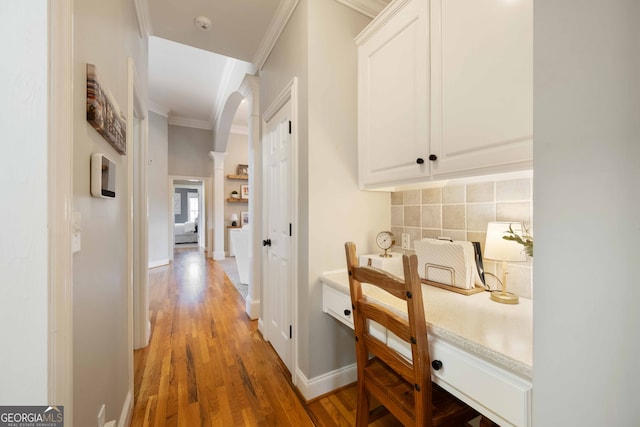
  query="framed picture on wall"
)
[
  {"x": 244, "y": 191},
  {"x": 242, "y": 170},
  {"x": 244, "y": 218}
]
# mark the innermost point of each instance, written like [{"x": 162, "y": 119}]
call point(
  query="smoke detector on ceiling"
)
[{"x": 203, "y": 23}]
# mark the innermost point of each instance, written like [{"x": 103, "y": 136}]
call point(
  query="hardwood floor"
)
[{"x": 207, "y": 364}]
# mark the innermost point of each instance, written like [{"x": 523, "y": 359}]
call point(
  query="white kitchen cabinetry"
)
[
  {"x": 393, "y": 94},
  {"x": 445, "y": 90}
]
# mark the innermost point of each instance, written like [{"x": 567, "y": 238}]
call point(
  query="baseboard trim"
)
[
  {"x": 158, "y": 263},
  {"x": 127, "y": 411},
  {"x": 252, "y": 307},
  {"x": 325, "y": 383}
]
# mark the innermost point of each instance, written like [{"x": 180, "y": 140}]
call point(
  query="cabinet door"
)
[
  {"x": 482, "y": 85},
  {"x": 393, "y": 95}
]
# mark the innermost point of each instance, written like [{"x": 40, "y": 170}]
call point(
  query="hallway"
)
[{"x": 206, "y": 363}]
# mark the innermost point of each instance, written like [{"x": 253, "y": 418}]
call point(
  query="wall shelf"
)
[
  {"x": 239, "y": 177},
  {"x": 230, "y": 200}
]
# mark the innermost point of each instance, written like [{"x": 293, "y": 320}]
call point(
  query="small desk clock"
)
[{"x": 385, "y": 240}]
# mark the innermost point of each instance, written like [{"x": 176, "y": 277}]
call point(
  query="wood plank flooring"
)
[{"x": 207, "y": 364}]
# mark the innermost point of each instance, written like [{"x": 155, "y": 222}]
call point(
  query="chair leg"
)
[{"x": 362, "y": 407}]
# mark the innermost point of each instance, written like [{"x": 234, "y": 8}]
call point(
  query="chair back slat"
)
[{"x": 401, "y": 385}]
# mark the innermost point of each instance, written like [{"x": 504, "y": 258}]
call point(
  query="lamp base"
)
[{"x": 504, "y": 297}]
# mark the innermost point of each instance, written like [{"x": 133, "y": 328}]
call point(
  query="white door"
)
[{"x": 278, "y": 241}]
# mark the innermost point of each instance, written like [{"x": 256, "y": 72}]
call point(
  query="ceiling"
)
[{"x": 191, "y": 71}]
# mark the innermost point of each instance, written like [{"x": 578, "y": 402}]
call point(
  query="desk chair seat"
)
[{"x": 402, "y": 386}]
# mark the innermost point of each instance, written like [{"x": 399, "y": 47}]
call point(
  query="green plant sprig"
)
[{"x": 525, "y": 240}]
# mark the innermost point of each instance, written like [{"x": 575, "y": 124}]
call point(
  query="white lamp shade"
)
[
  {"x": 499, "y": 249},
  {"x": 234, "y": 217}
]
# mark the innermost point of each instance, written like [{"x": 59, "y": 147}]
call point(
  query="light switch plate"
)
[{"x": 406, "y": 241}]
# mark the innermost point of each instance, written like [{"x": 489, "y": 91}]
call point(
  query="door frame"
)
[
  {"x": 204, "y": 233},
  {"x": 60, "y": 206},
  {"x": 289, "y": 93}
]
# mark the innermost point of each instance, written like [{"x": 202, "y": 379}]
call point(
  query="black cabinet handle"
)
[
  {"x": 347, "y": 312},
  {"x": 266, "y": 242},
  {"x": 436, "y": 365},
  {"x": 419, "y": 160},
  {"x": 433, "y": 157}
]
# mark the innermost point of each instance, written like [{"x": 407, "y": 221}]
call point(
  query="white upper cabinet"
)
[
  {"x": 393, "y": 94},
  {"x": 449, "y": 82}
]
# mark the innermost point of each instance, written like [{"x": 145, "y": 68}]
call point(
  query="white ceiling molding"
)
[
  {"x": 144, "y": 20},
  {"x": 190, "y": 123},
  {"x": 279, "y": 21},
  {"x": 158, "y": 109},
  {"x": 370, "y": 8}
]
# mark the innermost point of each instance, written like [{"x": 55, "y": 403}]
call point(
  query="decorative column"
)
[
  {"x": 218, "y": 204},
  {"x": 249, "y": 88}
]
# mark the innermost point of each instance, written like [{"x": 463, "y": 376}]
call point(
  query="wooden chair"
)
[{"x": 402, "y": 387}]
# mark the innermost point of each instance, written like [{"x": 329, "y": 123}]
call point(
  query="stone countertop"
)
[{"x": 499, "y": 333}]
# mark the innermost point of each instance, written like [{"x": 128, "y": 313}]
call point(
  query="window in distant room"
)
[{"x": 193, "y": 206}]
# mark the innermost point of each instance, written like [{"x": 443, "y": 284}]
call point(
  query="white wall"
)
[
  {"x": 189, "y": 151},
  {"x": 586, "y": 203},
  {"x": 105, "y": 34},
  {"x": 317, "y": 47},
  {"x": 338, "y": 210},
  {"x": 23, "y": 174},
  {"x": 158, "y": 190}
]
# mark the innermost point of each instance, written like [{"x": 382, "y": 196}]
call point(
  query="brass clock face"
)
[{"x": 385, "y": 240}]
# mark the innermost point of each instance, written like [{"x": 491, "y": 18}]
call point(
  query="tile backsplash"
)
[{"x": 462, "y": 212}]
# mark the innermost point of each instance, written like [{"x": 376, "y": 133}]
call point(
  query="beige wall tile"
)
[
  {"x": 397, "y": 216},
  {"x": 396, "y": 198},
  {"x": 414, "y": 234},
  {"x": 514, "y": 189},
  {"x": 412, "y": 197},
  {"x": 432, "y": 216},
  {"x": 431, "y": 196},
  {"x": 454, "y": 234},
  {"x": 514, "y": 212},
  {"x": 481, "y": 192},
  {"x": 430, "y": 234},
  {"x": 479, "y": 215},
  {"x": 453, "y": 217},
  {"x": 453, "y": 194},
  {"x": 397, "y": 233},
  {"x": 412, "y": 216}
]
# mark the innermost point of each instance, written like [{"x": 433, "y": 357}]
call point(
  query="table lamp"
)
[
  {"x": 234, "y": 220},
  {"x": 499, "y": 249}
]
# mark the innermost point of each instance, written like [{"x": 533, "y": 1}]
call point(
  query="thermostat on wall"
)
[{"x": 103, "y": 176}]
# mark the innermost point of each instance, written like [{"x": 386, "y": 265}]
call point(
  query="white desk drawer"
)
[
  {"x": 502, "y": 396},
  {"x": 337, "y": 304}
]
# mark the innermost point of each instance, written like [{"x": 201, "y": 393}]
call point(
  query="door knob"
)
[
  {"x": 419, "y": 160},
  {"x": 436, "y": 365},
  {"x": 347, "y": 312},
  {"x": 433, "y": 157},
  {"x": 266, "y": 242}
]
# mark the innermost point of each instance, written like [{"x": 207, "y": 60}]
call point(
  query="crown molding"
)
[
  {"x": 190, "y": 123},
  {"x": 370, "y": 8},
  {"x": 144, "y": 20},
  {"x": 279, "y": 21},
  {"x": 158, "y": 109}
]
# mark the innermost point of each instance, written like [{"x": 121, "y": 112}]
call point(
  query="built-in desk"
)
[{"x": 485, "y": 347}]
